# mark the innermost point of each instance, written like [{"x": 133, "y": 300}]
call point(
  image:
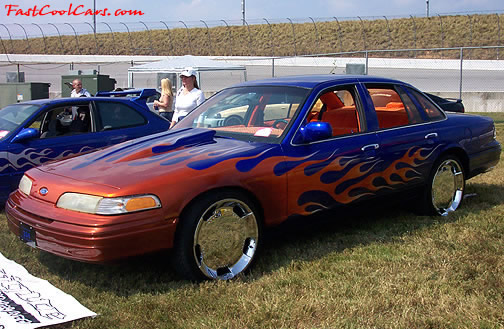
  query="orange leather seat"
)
[
  {"x": 390, "y": 118},
  {"x": 343, "y": 120}
]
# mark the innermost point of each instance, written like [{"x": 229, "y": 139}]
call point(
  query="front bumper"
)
[{"x": 89, "y": 238}]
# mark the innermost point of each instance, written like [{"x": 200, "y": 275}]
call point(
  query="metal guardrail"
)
[{"x": 286, "y": 36}]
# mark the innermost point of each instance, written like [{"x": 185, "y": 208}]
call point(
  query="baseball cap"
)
[{"x": 188, "y": 72}]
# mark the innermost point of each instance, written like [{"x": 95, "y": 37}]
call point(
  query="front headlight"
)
[
  {"x": 107, "y": 206},
  {"x": 25, "y": 185}
]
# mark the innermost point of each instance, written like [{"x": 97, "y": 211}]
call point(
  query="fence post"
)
[
  {"x": 43, "y": 37},
  {"x": 271, "y": 37},
  {"x": 3, "y": 45},
  {"x": 293, "y": 36},
  {"x": 250, "y": 37},
  {"x": 10, "y": 36},
  {"x": 169, "y": 36},
  {"x": 26, "y": 35},
  {"x": 317, "y": 45},
  {"x": 414, "y": 36},
  {"x": 389, "y": 34},
  {"x": 76, "y": 38},
  {"x": 153, "y": 51},
  {"x": 367, "y": 62},
  {"x": 442, "y": 34},
  {"x": 59, "y": 34},
  {"x": 113, "y": 39},
  {"x": 96, "y": 42},
  {"x": 272, "y": 67},
  {"x": 470, "y": 35},
  {"x": 339, "y": 35},
  {"x": 363, "y": 33},
  {"x": 230, "y": 38},
  {"x": 498, "y": 34},
  {"x": 188, "y": 36},
  {"x": 129, "y": 37},
  {"x": 461, "y": 70},
  {"x": 208, "y": 34}
]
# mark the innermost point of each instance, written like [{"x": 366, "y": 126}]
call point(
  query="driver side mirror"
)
[
  {"x": 26, "y": 134},
  {"x": 313, "y": 132}
]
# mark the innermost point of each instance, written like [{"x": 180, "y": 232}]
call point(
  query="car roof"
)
[
  {"x": 67, "y": 100},
  {"x": 310, "y": 81}
]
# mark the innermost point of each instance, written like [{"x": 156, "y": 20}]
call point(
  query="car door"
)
[
  {"x": 408, "y": 144},
  {"x": 60, "y": 137},
  {"x": 12, "y": 119},
  {"x": 117, "y": 122},
  {"x": 337, "y": 170}
]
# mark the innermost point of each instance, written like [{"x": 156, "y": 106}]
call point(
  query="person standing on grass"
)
[
  {"x": 164, "y": 104},
  {"x": 189, "y": 96},
  {"x": 77, "y": 90}
]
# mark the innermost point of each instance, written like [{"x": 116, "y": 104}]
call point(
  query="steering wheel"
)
[{"x": 280, "y": 121}]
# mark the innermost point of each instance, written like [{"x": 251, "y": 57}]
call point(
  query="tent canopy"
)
[
  {"x": 179, "y": 63},
  {"x": 172, "y": 66}
]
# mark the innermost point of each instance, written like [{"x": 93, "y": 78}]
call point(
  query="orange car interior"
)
[
  {"x": 343, "y": 119},
  {"x": 389, "y": 108}
]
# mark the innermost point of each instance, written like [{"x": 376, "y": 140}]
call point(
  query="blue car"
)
[{"x": 35, "y": 132}]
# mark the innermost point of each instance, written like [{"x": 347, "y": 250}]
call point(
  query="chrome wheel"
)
[
  {"x": 225, "y": 239},
  {"x": 447, "y": 186}
]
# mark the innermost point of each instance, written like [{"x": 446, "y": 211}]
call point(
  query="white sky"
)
[{"x": 231, "y": 10}]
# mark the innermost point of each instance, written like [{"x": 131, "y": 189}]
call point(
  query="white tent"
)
[{"x": 177, "y": 64}]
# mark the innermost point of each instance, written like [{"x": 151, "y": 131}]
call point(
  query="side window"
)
[
  {"x": 338, "y": 108},
  {"x": 433, "y": 113},
  {"x": 393, "y": 107},
  {"x": 63, "y": 121},
  {"x": 117, "y": 115}
]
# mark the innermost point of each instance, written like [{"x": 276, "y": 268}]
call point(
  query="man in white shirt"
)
[{"x": 77, "y": 90}]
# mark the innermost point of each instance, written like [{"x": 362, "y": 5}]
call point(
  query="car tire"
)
[
  {"x": 233, "y": 120},
  {"x": 217, "y": 237},
  {"x": 445, "y": 189}
]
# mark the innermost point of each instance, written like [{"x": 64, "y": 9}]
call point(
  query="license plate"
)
[{"x": 27, "y": 234}]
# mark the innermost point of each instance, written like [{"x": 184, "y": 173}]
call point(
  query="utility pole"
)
[
  {"x": 94, "y": 16},
  {"x": 243, "y": 12},
  {"x": 427, "y": 2}
]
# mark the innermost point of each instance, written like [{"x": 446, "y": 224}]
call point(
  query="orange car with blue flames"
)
[{"x": 250, "y": 157}]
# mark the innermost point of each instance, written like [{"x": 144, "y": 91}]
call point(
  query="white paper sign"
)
[{"x": 30, "y": 302}]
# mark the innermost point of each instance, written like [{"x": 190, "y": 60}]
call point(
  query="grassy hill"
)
[{"x": 278, "y": 39}]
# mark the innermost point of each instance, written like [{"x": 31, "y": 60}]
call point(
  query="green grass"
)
[
  {"x": 387, "y": 268},
  {"x": 277, "y": 39}
]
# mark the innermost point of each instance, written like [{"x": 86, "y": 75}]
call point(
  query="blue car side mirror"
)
[
  {"x": 25, "y": 134},
  {"x": 314, "y": 131}
]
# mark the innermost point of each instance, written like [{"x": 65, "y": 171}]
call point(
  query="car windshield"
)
[
  {"x": 256, "y": 113},
  {"x": 14, "y": 115}
]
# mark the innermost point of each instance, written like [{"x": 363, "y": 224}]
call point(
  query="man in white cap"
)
[{"x": 189, "y": 96}]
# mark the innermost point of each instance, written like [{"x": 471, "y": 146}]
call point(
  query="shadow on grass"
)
[
  {"x": 299, "y": 239},
  {"x": 314, "y": 237}
]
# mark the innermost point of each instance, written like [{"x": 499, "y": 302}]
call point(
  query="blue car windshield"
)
[
  {"x": 252, "y": 113},
  {"x": 12, "y": 116}
]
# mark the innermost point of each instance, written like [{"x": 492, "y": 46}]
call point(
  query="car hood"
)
[{"x": 163, "y": 156}]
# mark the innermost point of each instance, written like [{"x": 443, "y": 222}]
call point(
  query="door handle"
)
[
  {"x": 370, "y": 146},
  {"x": 431, "y": 135}
]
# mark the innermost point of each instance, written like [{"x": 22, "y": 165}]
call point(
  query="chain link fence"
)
[{"x": 451, "y": 72}]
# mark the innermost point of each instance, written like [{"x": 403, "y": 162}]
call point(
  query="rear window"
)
[{"x": 431, "y": 110}]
